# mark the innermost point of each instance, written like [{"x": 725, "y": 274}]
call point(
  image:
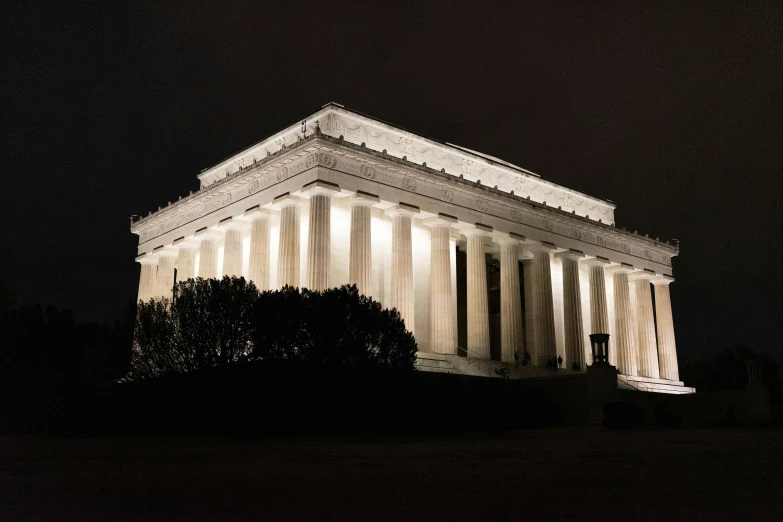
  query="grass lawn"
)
[{"x": 568, "y": 473}]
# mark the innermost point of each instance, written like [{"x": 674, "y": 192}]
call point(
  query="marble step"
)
[
  {"x": 654, "y": 385},
  {"x": 434, "y": 363},
  {"x": 435, "y": 370},
  {"x": 432, "y": 356}
]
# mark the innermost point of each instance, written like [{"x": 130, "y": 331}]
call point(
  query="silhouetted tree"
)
[
  {"x": 207, "y": 323},
  {"x": 337, "y": 326},
  {"x": 726, "y": 370},
  {"x": 46, "y": 358}
]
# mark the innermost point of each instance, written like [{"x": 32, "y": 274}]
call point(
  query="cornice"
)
[
  {"x": 360, "y": 129},
  {"x": 329, "y": 152}
]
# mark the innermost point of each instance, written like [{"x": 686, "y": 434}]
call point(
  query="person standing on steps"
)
[
  {"x": 516, "y": 360},
  {"x": 559, "y": 361}
]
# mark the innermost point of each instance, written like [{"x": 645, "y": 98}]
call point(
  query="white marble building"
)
[{"x": 436, "y": 230}]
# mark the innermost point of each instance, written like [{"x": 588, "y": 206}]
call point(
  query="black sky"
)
[{"x": 674, "y": 112}]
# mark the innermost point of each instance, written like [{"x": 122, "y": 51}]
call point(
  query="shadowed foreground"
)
[{"x": 567, "y": 473}]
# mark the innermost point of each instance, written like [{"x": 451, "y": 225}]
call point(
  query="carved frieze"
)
[{"x": 259, "y": 176}]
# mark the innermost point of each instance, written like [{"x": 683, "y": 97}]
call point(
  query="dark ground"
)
[{"x": 570, "y": 473}]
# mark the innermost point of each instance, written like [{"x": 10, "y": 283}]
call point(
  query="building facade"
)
[{"x": 482, "y": 258}]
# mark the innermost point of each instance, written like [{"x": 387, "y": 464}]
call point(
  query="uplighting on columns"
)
[
  {"x": 258, "y": 269},
  {"x": 511, "y": 334},
  {"x": 360, "y": 253},
  {"x": 478, "y": 301},
  {"x": 441, "y": 314},
  {"x": 165, "y": 278},
  {"x": 232, "y": 246},
  {"x": 288, "y": 253},
  {"x": 543, "y": 303},
  {"x": 625, "y": 334},
  {"x": 402, "y": 261},
  {"x": 147, "y": 276},
  {"x": 319, "y": 235},
  {"x": 572, "y": 309},
  {"x": 667, "y": 349},
  {"x": 208, "y": 263},
  {"x": 648, "y": 349},
  {"x": 186, "y": 258}
]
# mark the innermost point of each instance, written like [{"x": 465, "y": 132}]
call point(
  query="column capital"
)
[
  {"x": 541, "y": 246},
  {"x": 165, "y": 251},
  {"x": 147, "y": 259},
  {"x": 363, "y": 199},
  {"x": 478, "y": 229},
  {"x": 622, "y": 268},
  {"x": 571, "y": 253},
  {"x": 644, "y": 274},
  {"x": 207, "y": 233},
  {"x": 185, "y": 242},
  {"x": 509, "y": 239},
  {"x": 403, "y": 209},
  {"x": 664, "y": 279},
  {"x": 285, "y": 200},
  {"x": 254, "y": 213},
  {"x": 319, "y": 187},
  {"x": 231, "y": 223},
  {"x": 598, "y": 261},
  {"x": 441, "y": 220}
]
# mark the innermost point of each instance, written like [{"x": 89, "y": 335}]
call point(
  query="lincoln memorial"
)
[{"x": 483, "y": 259}]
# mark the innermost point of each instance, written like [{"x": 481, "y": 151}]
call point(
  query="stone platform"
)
[
  {"x": 648, "y": 384},
  {"x": 434, "y": 362}
]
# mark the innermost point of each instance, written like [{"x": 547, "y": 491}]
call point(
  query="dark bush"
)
[
  {"x": 212, "y": 322},
  {"x": 666, "y": 416},
  {"x": 336, "y": 326},
  {"x": 622, "y": 415}
]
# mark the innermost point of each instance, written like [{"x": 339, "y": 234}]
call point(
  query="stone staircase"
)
[
  {"x": 433, "y": 362},
  {"x": 648, "y": 384}
]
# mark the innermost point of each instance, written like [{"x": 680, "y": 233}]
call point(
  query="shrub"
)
[{"x": 621, "y": 415}]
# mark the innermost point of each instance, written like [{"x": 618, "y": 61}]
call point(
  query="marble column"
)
[
  {"x": 454, "y": 312},
  {"x": 208, "y": 251},
  {"x": 543, "y": 304},
  {"x": 258, "y": 269},
  {"x": 599, "y": 314},
  {"x": 147, "y": 277},
  {"x": 478, "y": 300},
  {"x": 288, "y": 253},
  {"x": 186, "y": 259},
  {"x": 625, "y": 334},
  {"x": 232, "y": 247},
  {"x": 648, "y": 349},
  {"x": 402, "y": 262},
  {"x": 165, "y": 278},
  {"x": 441, "y": 314},
  {"x": 528, "y": 275},
  {"x": 511, "y": 334},
  {"x": 319, "y": 234},
  {"x": 360, "y": 253},
  {"x": 667, "y": 350},
  {"x": 572, "y": 310}
]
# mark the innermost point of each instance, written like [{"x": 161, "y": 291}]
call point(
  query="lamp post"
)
[{"x": 599, "y": 344}]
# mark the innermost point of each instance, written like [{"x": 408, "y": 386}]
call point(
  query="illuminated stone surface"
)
[
  {"x": 441, "y": 315},
  {"x": 372, "y": 191},
  {"x": 478, "y": 305},
  {"x": 511, "y": 335},
  {"x": 572, "y": 301},
  {"x": 360, "y": 254},
  {"x": 402, "y": 265}
]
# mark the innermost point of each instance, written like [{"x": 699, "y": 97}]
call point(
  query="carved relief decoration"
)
[{"x": 262, "y": 175}]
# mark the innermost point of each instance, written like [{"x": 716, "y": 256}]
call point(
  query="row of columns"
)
[{"x": 639, "y": 350}]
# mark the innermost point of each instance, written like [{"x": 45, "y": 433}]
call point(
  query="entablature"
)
[
  {"x": 368, "y": 166},
  {"x": 335, "y": 121}
]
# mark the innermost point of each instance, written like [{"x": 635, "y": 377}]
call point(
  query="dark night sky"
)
[{"x": 675, "y": 113}]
